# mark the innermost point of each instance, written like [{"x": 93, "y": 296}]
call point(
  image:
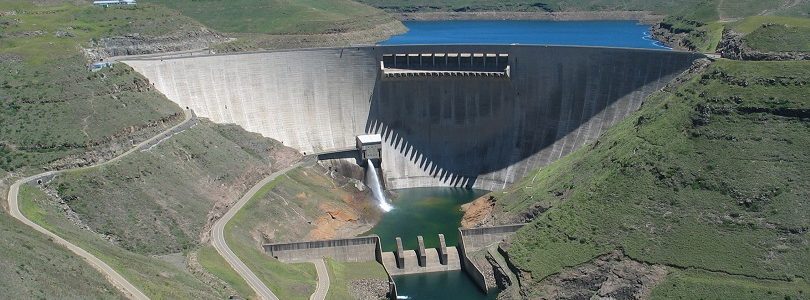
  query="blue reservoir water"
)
[{"x": 629, "y": 34}]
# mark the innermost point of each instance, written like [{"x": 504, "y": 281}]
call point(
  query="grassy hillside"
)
[
  {"x": 304, "y": 204},
  {"x": 287, "y": 281},
  {"x": 156, "y": 278},
  {"x": 708, "y": 177},
  {"x": 160, "y": 201},
  {"x": 31, "y": 267},
  {"x": 279, "y": 16},
  {"x": 45, "y": 82},
  {"x": 213, "y": 263},
  {"x": 707, "y": 8},
  {"x": 343, "y": 274}
]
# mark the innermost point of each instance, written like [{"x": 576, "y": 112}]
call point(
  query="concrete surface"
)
[
  {"x": 121, "y": 283},
  {"x": 411, "y": 263},
  {"x": 468, "y": 131},
  {"x": 473, "y": 239},
  {"x": 322, "y": 289},
  {"x": 480, "y": 238},
  {"x": 357, "y": 249}
]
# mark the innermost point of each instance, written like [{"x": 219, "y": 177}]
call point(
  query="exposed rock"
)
[
  {"x": 478, "y": 212},
  {"x": 32, "y": 33},
  {"x": 246, "y": 42},
  {"x": 134, "y": 44},
  {"x": 487, "y": 266},
  {"x": 611, "y": 276},
  {"x": 63, "y": 33},
  {"x": 197, "y": 269},
  {"x": 697, "y": 68},
  {"x": 532, "y": 213},
  {"x": 732, "y": 46},
  {"x": 369, "y": 289},
  {"x": 675, "y": 40},
  {"x": 500, "y": 273}
]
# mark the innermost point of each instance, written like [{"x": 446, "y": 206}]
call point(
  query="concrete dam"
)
[{"x": 449, "y": 115}]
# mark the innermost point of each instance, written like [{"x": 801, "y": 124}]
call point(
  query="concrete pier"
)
[
  {"x": 442, "y": 250},
  {"x": 432, "y": 263},
  {"x": 400, "y": 255},
  {"x": 420, "y": 252}
]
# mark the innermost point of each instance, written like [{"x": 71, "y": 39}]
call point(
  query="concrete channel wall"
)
[
  {"x": 357, "y": 249},
  {"x": 479, "y": 238},
  {"x": 474, "y": 239},
  {"x": 467, "y": 131}
]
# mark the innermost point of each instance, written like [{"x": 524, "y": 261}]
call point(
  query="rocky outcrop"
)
[
  {"x": 611, "y": 276},
  {"x": 135, "y": 44},
  {"x": 248, "y": 42},
  {"x": 478, "y": 212},
  {"x": 732, "y": 46},
  {"x": 369, "y": 289},
  {"x": 672, "y": 38}
]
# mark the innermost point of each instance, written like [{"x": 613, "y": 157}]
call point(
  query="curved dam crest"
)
[{"x": 468, "y": 131}]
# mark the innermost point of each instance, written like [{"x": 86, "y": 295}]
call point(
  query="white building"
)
[
  {"x": 370, "y": 146},
  {"x": 106, "y": 3}
]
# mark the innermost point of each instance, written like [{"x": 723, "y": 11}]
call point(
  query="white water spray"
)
[{"x": 373, "y": 182}]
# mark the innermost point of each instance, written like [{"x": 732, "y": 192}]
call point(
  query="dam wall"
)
[
  {"x": 359, "y": 249},
  {"x": 467, "y": 131}
]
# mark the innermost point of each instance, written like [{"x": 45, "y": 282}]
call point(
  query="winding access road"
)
[
  {"x": 218, "y": 240},
  {"x": 218, "y": 236},
  {"x": 121, "y": 283},
  {"x": 323, "y": 280}
]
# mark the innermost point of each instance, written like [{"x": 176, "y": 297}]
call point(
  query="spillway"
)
[
  {"x": 480, "y": 130},
  {"x": 373, "y": 182}
]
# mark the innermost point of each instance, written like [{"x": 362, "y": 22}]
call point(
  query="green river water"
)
[{"x": 428, "y": 212}]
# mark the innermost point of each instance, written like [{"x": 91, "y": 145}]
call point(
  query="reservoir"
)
[{"x": 626, "y": 34}]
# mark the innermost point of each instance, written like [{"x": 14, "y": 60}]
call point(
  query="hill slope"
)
[{"x": 709, "y": 177}]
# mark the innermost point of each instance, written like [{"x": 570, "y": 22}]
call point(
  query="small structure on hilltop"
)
[
  {"x": 107, "y": 3},
  {"x": 370, "y": 146},
  {"x": 97, "y": 66}
]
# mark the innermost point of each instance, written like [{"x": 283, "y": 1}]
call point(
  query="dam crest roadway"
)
[{"x": 482, "y": 132}]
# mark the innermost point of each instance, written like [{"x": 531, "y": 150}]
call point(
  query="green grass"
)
[
  {"x": 31, "y": 266},
  {"x": 45, "y": 81},
  {"x": 708, "y": 176},
  {"x": 287, "y": 281},
  {"x": 696, "y": 284},
  {"x": 84, "y": 22},
  {"x": 779, "y": 38},
  {"x": 158, "y": 201},
  {"x": 290, "y": 208},
  {"x": 93, "y": 110},
  {"x": 280, "y": 16},
  {"x": 699, "y": 36},
  {"x": 341, "y": 274},
  {"x": 524, "y": 5},
  {"x": 749, "y": 24},
  {"x": 216, "y": 265},
  {"x": 155, "y": 278},
  {"x": 704, "y": 10}
]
